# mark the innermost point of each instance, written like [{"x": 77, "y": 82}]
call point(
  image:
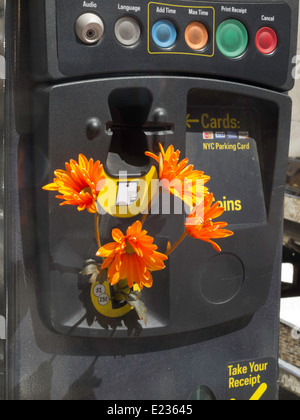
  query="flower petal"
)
[
  {"x": 117, "y": 235},
  {"x": 77, "y": 184}
]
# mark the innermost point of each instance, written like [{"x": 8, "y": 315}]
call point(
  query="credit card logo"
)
[
  {"x": 244, "y": 135},
  {"x": 220, "y": 135},
  {"x": 232, "y": 135},
  {"x": 208, "y": 135}
]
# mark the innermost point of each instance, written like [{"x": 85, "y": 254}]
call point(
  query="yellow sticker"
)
[
  {"x": 102, "y": 301},
  {"x": 128, "y": 197},
  {"x": 252, "y": 380}
]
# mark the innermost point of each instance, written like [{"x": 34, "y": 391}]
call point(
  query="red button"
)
[{"x": 266, "y": 40}]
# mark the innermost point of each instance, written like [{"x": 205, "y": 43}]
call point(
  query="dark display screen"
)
[{"x": 223, "y": 143}]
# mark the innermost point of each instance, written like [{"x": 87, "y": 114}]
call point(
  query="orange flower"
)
[
  {"x": 179, "y": 178},
  {"x": 132, "y": 257},
  {"x": 200, "y": 226},
  {"x": 80, "y": 184}
]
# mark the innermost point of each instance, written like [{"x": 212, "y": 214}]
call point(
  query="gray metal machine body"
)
[{"x": 213, "y": 324}]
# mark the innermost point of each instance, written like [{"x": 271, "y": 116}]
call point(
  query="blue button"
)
[{"x": 164, "y": 33}]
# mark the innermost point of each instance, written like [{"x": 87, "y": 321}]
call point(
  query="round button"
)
[
  {"x": 196, "y": 36},
  {"x": 222, "y": 279},
  {"x": 164, "y": 33},
  {"x": 266, "y": 40},
  {"x": 127, "y": 31},
  {"x": 89, "y": 28},
  {"x": 232, "y": 38}
]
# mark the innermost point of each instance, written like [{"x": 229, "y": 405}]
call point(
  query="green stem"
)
[
  {"x": 149, "y": 208},
  {"x": 143, "y": 220},
  {"x": 97, "y": 233},
  {"x": 176, "y": 245}
]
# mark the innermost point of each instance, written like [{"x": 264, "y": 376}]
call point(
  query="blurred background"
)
[{"x": 290, "y": 302}]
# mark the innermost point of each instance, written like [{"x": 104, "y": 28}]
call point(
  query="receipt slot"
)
[{"x": 113, "y": 90}]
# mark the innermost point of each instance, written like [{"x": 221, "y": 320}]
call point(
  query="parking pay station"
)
[{"x": 146, "y": 149}]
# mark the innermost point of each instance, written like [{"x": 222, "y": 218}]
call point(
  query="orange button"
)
[{"x": 196, "y": 36}]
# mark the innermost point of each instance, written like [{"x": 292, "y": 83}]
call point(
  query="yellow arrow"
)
[
  {"x": 189, "y": 121},
  {"x": 259, "y": 393}
]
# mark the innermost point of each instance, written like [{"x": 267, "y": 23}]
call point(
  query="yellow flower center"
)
[
  {"x": 87, "y": 190},
  {"x": 129, "y": 249}
]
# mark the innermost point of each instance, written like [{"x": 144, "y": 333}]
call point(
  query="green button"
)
[{"x": 232, "y": 38}]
